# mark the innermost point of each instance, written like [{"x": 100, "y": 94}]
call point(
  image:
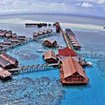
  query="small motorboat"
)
[
  {"x": 40, "y": 51},
  {"x": 89, "y": 64}
]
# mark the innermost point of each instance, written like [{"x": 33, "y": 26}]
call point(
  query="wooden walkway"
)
[
  {"x": 33, "y": 68},
  {"x": 67, "y": 40}
]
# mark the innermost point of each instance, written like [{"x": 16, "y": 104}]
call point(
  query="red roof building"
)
[
  {"x": 66, "y": 52},
  {"x": 7, "y": 62},
  {"x": 50, "y": 57},
  {"x": 72, "y": 72}
]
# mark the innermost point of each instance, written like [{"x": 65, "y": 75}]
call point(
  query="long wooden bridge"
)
[
  {"x": 33, "y": 68},
  {"x": 67, "y": 40}
]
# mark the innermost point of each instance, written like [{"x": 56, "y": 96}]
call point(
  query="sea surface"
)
[{"x": 44, "y": 87}]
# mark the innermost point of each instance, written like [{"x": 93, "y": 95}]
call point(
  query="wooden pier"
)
[
  {"x": 67, "y": 40},
  {"x": 33, "y": 68}
]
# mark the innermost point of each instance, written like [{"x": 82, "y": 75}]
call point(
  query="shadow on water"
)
[{"x": 77, "y": 87}]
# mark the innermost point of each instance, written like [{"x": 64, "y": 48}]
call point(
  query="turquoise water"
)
[{"x": 30, "y": 86}]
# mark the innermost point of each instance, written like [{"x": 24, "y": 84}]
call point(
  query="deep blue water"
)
[{"x": 92, "y": 42}]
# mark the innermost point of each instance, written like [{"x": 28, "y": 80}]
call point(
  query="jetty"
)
[
  {"x": 33, "y": 68},
  {"x": 39, "y": 25}
]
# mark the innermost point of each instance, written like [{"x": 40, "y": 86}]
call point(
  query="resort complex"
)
[{"x": 66, "y": 59}]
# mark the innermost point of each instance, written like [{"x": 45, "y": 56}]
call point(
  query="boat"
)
[
  {"x": 40, "y": 51},
  {"x": 89, "y": 64}
]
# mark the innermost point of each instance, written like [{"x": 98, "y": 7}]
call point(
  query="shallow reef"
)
[
  {"x": 26, "y": 54},
  {"x": 27, "y": 91}
]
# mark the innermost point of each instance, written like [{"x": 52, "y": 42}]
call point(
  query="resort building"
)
[
  {"x": 35, "y": 35},
  {"x": 49, "y": 31},
  {"x": 7, "y": 62},
  {"x": 14, "y": 35},
  {"x": 66, "y": 52},
  {"x": 40, "y": 33},
  {"x": 72, "y": 72},
  {"x": 69, "y": 32},
  {"x": 50, "y": 57},
  {"x": 45, "y": 31},
  {"x": 50, "y": 43},
  {"x": 2, "y": 33},
  {"x": 4, "y": 63},
  {"x": 6, "y": 43},
  {"x": 74, "y": 43},
  {"x": 4, "y": 74},
  {"x": 58, "y": 28},
  {"x": 10, "y": 59},
  {"x": 8, "y": 34},
  {"x": 21, "y": 38},
  {"x": 14, "y": 41}
]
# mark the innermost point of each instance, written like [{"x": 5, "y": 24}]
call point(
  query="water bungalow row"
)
[
  {"x": 10, "y": 39},
  {"x": 7, "y": 62},
  {"x": 72, "y": 38},
  {"x": 12, "y": 42},
  {"x": 41, "y": 33},
  {"x": 8, "y": 34}
]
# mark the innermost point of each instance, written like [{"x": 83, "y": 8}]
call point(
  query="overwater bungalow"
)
[
  {"x": 4, "y": 74},
  {"x": 1, "y": 44},
  {"x": 72, "y": 72},
  {"x": 4, "y": 63},
  {"x": 14, "y": 35},
  {"x": 50, "y": 43},
  {"x": 35, "y": 35},
  {"x": 10, "y": 59},
  {"x": 58, "y": 28},
  {"x": 7, "y": 43},
  {"x": 50, "y": 57},
  {"x": 8, "y": 34},
  {"x": 49, "y": 31},
  {"x": 69, "y": 32},
  {"x": 7, "y": 62},
  {"x": 76, "y": 46},
  {"x": 2, "y": 33},
  {"x": 14, "y": 41},
  {"x": 45, "y": 32},
  {"x": 21, "y": 38},
  {"x": 75, "y": 43},
  {"x": 40, "y": 33}
]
